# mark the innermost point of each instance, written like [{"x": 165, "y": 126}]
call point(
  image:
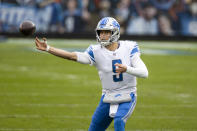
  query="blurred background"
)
[
  {"x": 136, "y": 17},
  {"x": 40, "y": 92}
]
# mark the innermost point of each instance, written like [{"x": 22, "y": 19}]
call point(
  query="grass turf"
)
[{"x": 39, "y": 91}]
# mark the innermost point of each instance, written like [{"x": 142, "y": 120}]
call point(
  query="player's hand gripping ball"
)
[{"x": 27, "y": 28}]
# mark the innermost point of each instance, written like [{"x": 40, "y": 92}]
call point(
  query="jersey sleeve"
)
[
  {"x": 90, "y": 53},
  {"x": 135, "y": 50},
  {"x": 138, "y": 68},
  {"x": 83, "y": 58}
]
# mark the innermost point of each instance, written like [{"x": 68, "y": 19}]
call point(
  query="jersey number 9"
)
[{"x": 118, "y": 77}]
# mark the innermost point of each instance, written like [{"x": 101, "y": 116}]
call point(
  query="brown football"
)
[{"x": 27, "y": 28}]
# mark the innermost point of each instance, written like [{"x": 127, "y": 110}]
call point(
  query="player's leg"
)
[
  {"x": 124, "y": 112},
  {"x": 101, "y": 119}
]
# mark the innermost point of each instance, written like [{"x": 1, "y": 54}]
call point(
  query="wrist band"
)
[{"x": 47, "y": 48}]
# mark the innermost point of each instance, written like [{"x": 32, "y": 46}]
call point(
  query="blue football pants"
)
[{"x": 101, "y": 119}]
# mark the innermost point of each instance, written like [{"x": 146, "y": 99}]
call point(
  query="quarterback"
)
[{"x": 118, "y": 64}]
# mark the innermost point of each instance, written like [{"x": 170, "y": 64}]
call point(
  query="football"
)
[{"x": 27, "y": 28}]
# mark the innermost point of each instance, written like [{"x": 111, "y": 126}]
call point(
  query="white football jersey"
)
[{"x": 105, "y": 60}]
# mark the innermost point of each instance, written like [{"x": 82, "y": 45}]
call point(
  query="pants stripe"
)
[{"x": 130, "y": 111}]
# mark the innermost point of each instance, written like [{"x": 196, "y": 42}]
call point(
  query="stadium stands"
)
[{"x": 137, "y": 17}]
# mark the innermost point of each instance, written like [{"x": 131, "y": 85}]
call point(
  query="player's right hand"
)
[
  {"x": 120, "y": 68},
  {"x": 41, "y": 45}
]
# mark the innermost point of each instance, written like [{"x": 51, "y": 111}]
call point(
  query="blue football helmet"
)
[{"x": 108, "y": 23}]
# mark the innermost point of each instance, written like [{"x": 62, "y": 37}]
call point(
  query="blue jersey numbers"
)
[{"x": 118, "y": 77}]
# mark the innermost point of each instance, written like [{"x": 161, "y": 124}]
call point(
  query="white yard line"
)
[
  {"x": 44, "y": 94},
  {"x": 59, "y": 42},
  {"x": 29, "y": 129},
  {"x": 166, "y": 106},
  {"x": 168, "y": 45},
  {"x": 87, "y": 105},
  {"x": 88, "y": 117},
  {"x": 47, "y": 105},
  {"x": 43, "y": 116}
]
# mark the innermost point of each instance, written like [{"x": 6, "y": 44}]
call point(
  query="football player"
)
[{"x": 118, "y": 64}]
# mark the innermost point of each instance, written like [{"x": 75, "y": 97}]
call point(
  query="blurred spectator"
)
[
  {"x": 104, "y": 8},
  {"x": 189, "y": 20},
  {"x": 164, "y": 25},
  {"x": 56, "y": 17},
  {"x": 86, "y": 16},
  {"x": 72, "y": 17},
  {"x": 44, "y": 3},
  {"x": 27, "y": 2},
  {"x": 8, "y": 1},
  {"x": 145, "y": 24},
  {"x": 88, "y": 4},
  {"x": 36, "y": 3},
  {"x": 163, "y": 4},
  {"x": 175, "y": 13},
  {"x": 85, "y": 12},
  {"x": 138, "y": 6},
  {"x": 174, "y": 17},
  {"x": 122, "y": 13},
  {"x": 2, "y": 27}
]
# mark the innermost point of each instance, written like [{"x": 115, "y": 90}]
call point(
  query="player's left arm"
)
[{"x": 138, "y": 69}]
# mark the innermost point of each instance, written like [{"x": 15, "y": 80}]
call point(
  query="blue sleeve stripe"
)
[
  {"x": 91, "y": 54},
  {"x": 135, "y": 50}
]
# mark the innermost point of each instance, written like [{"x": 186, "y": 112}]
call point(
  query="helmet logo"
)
[
  {"x": 104, "y": 22},
  {"x": 115, "y": 24}
]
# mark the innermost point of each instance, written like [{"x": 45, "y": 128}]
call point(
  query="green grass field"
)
[{"x": 40, "y": 92}]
